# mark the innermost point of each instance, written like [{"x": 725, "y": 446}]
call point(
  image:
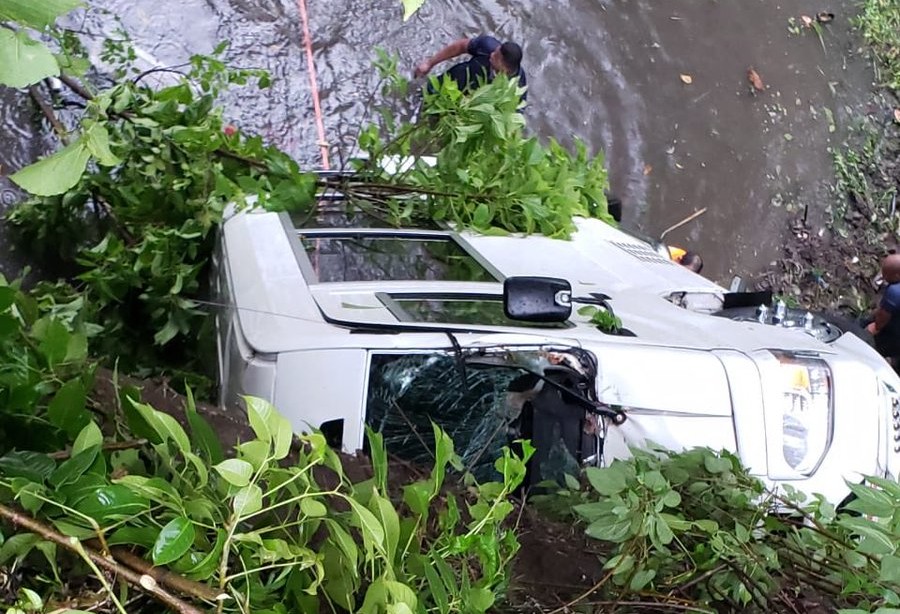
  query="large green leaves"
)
[
  {"x": 57, "y": 173},
  {"x": 24, "y": 61},
  {"x": 37, "y": 14}
]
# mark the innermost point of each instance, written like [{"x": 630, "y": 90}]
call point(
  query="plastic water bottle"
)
[
  {"x": 780, "y": 312},
  {"x": 762, "y": 314}
]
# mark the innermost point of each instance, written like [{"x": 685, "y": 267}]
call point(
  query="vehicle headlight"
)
[{"x": 799, "y": 416}]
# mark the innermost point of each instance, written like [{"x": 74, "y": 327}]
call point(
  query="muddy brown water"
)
[{"x": 606, "y": 71}]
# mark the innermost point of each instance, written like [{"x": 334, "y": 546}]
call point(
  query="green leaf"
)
[
  {"x": 379, "y": 458},
  {"x": 387, "y": 516},
  {"x": 98, "y": 144},
  {"x": 89, "y": 437},
  {"x": 247, "y": 501},
  {"x": 716, "y": 464},
  {"x": 144, "y": 537},
  {"x": 174, "y": 541},
  {"x": 478, "y": 599},
  {"x": 204, "y": 436},
  {"x": 7, "y": 297},
  {"x": 163, "y": 425},
  {"x": 32, "y": 466},
  {"x": 371, "y": 529},
  {"x": 68, "y": 409},
  {"x": 17, "y": 546},
  {"x": 112, "y": 502},
  {"x": 890, "y": 570},
  {"x": 54, "y": 339},
  {"x": 54, "y": 174},
  {"x": 871, "y": 502},
  {"x": 235, "y": 471},
  {"x": 74, "y": 468},
  {"x": 313, "y": 508},
  {"x": 261, "y": 415},
  {"x": 23, "y": 62},
  {"x": 37, "y": 14},
  {"x": 208, "y": 565},
  {"x": 482, "y": 216},
  {"x": 254, "y": 452},
  {"x": 642, "y": 578},
  {"x": 410, "y": 7},
  {"x": 606, "y": 481},
  {"x": 610, "y": 528}
]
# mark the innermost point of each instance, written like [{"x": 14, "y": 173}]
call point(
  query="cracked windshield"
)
[{"x": 420, "y": 306}]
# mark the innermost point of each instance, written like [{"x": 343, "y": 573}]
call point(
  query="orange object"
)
[{"x": 676, "y": 253}]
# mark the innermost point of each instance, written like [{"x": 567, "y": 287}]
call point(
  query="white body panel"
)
[{"x": 689, "y": 379}]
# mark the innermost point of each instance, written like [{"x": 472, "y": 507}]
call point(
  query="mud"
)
[{"x": 831, "y": 265}]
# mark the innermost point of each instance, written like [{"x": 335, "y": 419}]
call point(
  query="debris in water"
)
[
  {"x": 647, "y": 169},
  {"x": 687, "y": 78},
  {"x": 807, "y": 20},
  {"x": 755, "y": 80},
  {"x": 824, "y": 17},
  {"x": 788, "y": 137},
  {"x": 897, "y": 115}
]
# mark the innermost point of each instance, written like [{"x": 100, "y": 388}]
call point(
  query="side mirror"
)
[{"x": 537, "y": 299}]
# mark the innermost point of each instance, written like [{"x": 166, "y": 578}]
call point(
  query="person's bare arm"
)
[
  {"x": 452, "y": 50},
  {"x": 882, "y": 317}
]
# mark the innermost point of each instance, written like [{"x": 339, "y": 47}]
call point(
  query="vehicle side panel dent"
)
[{"x": 314, "y": 387}]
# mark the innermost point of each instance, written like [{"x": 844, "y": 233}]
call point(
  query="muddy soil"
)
[{"x": 831, "y": 264}]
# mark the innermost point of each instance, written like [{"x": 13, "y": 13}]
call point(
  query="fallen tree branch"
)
[
  {"x": 113, "y": 446},
  {"x": 76, "y": 87},
  {"x": 47, "y": 110},
  {"x": 164, "y": 576},
  {"x": 142, "y": 582}
]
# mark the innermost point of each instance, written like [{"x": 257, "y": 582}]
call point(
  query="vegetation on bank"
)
[
  {"x": 109, "y": 505},
  {"x": 834, "y": 270}
]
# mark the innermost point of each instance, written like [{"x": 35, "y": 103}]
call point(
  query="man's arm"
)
[
  {"x": 452, "y": 50},
  {"x": 882, "y": 317}
]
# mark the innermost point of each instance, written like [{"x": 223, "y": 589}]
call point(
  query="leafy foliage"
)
[
  {"x": 879, "y": 22},
  {"x": 23, "y": 60},
  {"x": 44, "y": 373},
  {"x": 268, "y": 530},
  {"x": 696, "y": 526},
  {"x": 138, "y": 226},
  {"x": 487, "y": 175}
]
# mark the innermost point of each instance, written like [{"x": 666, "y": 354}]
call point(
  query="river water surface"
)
[{"x": 611, "y": 72}]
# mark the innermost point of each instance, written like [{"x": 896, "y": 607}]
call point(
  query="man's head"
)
[
  {"x": 507, "y": 58},
  {"x": 890, "y": 269},
  {"x": 692, "y": 261}
]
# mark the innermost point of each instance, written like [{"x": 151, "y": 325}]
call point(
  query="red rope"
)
[{"x": 317, "y": 108}]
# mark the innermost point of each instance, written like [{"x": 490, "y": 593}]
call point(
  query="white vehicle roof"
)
[{"x": 284, "y": 307}]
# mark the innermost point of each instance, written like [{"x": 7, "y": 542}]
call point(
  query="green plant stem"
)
[{"x": 32, "y": 525}]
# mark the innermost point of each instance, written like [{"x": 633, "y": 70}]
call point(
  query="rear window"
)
[{"x": 360, "y": 257}]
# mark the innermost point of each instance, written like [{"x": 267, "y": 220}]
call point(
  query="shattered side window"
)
[
  {"x": 360, "y": 257},
  {"x": 481, "y": 407}
]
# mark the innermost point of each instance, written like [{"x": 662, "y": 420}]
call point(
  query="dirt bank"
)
[{"x": 830, "y": 264}]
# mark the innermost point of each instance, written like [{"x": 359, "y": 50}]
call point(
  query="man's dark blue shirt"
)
[{"x": 471, "y": 73}]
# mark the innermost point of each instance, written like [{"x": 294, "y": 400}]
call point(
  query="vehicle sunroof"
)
[{"x": 385, "y": 257}]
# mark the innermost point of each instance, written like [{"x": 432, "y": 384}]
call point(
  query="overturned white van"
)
[{"x": 343, "y": 322}]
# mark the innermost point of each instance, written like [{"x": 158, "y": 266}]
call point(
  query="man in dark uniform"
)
[
  {"x": 489, "y": 57},
  {"x": 885, "y": 325}
]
